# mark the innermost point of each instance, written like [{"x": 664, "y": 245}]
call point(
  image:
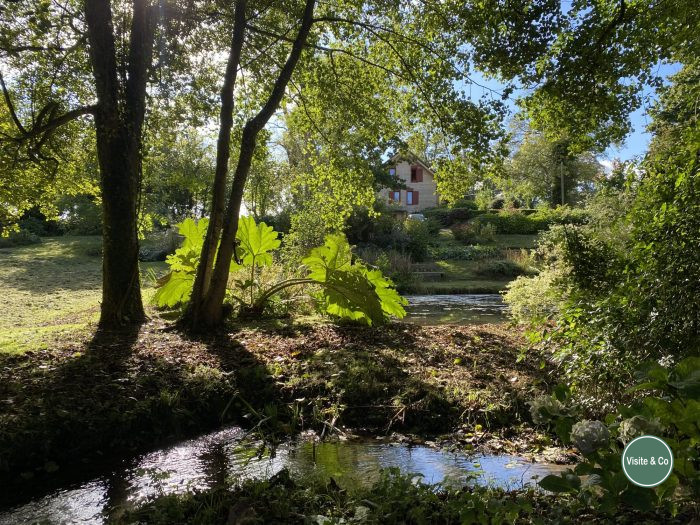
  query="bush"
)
[
  {"x": 473, "y": 232},
  {"x": 502, "y": 268},
  {"x": 157, "y": 246},
  {"x": 449, "y": 216},
  {"x": 396, "y": 265},
  {"x": 19, "y": 238},
  {"x": 467, "y": 204},
  {"x": 463, "y": 253},
  {"x": 561, "y": 215},
  {"x": 419, "y": 237},
  {"x": 80, "y": 215},
  {"x": 669, "y": 408}
]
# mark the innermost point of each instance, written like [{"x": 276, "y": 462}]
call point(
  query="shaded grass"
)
[
  {"x": 459, "y": 277},
  {"x": 51, "y": 291}
]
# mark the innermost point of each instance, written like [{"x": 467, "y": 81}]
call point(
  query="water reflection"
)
[
  {"x": 455, "y": 309},
  {"x": 218, "y": 458}
]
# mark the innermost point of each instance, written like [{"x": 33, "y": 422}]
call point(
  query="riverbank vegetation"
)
[{"x": 189, "y": 243}]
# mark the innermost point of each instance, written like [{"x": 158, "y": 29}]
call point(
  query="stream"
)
[
  {"x": 462, "y": 309},
  {"x": 221, "y": 457}
]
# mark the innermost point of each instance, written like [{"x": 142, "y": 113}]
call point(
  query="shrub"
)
[
  {"x": 467, "y": 204},
  {"x": 157, "y": 246},
  {"x": 502, "y": 268},
  {"x": 463, "y": 253},
  {"x": 449, "y": 216},
  {"x": 80, "y": 215},
  {"x": 19, "y": 238},
  {"x": 348, "y": 289},
  {"x": 473, "y": 232},
  {"x": 517, "y": 222},
  {"x": 419, "y": 237},
  {"x": 396, "y": 265},
  {"x": 669, "y": 408}
]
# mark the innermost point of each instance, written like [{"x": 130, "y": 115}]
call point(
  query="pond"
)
[
  {"x": 219, "y": 457},
  {"x": 463, "y": 309}
]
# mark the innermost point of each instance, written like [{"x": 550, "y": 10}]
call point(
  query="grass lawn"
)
[{"x": 51, "y": 290}]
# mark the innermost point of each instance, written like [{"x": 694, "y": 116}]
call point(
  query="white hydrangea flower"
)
[
  {"x": 638, "y": 426},
  {"x": 542, "y": 407},
  {"x": 588, "y": 436}
]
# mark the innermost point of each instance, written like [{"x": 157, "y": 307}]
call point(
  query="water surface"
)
[
  {"x": 461, "y": 309},
  {"x": 221, "y": 457}
]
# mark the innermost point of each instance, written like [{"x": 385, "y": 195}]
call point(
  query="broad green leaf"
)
[
  {"x": 562, "y": 483},
  {"x": 194, "y": 232},
  {"x": 392, "y": 302},
  {"x": 351, "y": 295},
  {"x": 335, "y": 254},
  {"x": 175, "y": 289},
  {"x": 257, "y": 241}
]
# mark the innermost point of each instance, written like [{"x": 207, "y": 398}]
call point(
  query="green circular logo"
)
[{"x": 647, "y": 461}]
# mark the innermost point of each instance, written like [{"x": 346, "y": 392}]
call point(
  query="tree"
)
[
  {"x": 119, "y": 78},
  {"x": 539, "y": 167}
]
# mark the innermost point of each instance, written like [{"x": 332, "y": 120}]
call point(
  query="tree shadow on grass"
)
[{"x": 77, "y": 414}]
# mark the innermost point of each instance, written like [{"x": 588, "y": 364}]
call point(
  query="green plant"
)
[
  {"x": 349, "y": 289},
  {"x": 474, "y": 232},
  {"x": 502, "y": 268},
  {"x": 419, "y": 237},
  {"x": 463, "y": 253},
  {"x": 19, "y": 238},
  {"x": 670, "y": 409}
]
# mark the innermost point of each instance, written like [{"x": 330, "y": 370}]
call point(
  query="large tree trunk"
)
[
  {"x": 118, "y": 124},
  {"x": 223, "y": 154},
  {"x": 211, "y": 310}
]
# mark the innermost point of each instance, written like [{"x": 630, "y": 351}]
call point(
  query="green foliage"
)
[
  {"x": 474, "y": 232},
  {"x": 257, "y": 241},
  {"x": 350, "y": 290},
  {"x": 502, "y": 268},
  {"x": 175, "y": 287},
  {"x": 449, "y": 216},
  {"x": 670, "y": 409},
  {"x": 419, "y": 238},
  {"x": 80, "y": 215},
  {"x": 19, "y": 238},
  {"x": 463, "y": 253}
]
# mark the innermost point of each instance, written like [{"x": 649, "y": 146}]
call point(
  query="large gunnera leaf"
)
[{"x": 257, "y": 242}]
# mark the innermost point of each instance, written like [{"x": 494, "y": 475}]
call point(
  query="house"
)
[{"x": 421, "y": 190}]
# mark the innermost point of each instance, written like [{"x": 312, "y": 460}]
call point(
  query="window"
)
[
  {"x": 392, "y": 172},
  {"x": 395, "y": 196},
  {"x": 416, "y": 174},
  {"x": 412, "y": 198}
]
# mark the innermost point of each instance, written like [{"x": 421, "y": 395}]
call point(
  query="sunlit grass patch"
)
[{"x": 51, "y": 291}]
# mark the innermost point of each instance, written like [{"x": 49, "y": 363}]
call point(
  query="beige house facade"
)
[{"x": 421, "y": 189}]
